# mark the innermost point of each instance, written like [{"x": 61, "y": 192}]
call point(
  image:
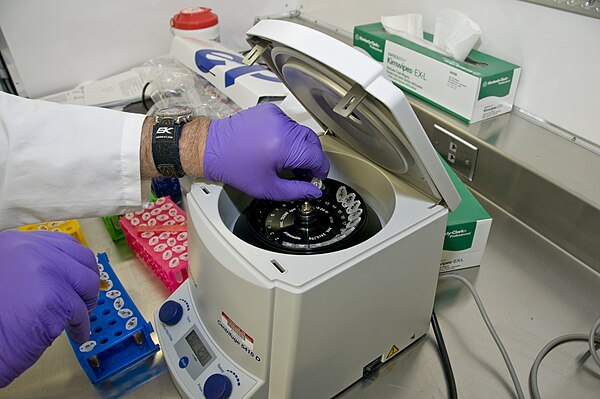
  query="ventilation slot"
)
[{"x": 280, "y": 268}]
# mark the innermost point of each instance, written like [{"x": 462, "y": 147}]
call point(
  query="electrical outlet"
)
[{"x": 458, "y": 153}]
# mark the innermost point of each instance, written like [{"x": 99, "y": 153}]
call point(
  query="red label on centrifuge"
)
[{"x": 246, "y": 339}]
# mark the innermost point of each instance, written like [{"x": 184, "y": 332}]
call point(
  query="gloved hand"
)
[
  {"x": 48, "y": 281},
  {"x": 247, "y": 150}
]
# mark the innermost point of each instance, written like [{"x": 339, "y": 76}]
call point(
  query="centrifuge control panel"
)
[{"x": 196, "y": 364}]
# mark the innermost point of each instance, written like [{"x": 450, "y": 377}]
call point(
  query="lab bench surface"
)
[{"x": 533, "y": 293}]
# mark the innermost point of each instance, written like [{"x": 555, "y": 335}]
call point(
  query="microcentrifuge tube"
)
[
  {"x": 94, "y": 361},
  {"x": 318, "y": 183},
  {"x": 103, "y": 285},
  {"x": 138, "y": 337}
]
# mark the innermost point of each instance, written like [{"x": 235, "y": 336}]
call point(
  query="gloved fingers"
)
[
  {"x": 52, "y": 236},
  {"x": 45, "y": 289},
  {"x": 309, "y": 155},
  {"x": 75, "y": 264},
  {"x": 84, "y": 282},
  {"x": 291, "y": 190},
  {"x": 82, "y": 254},
  {"x": 266, "y": 109},
  {"x": 79, "y": 322},
  {"x": 71, "y": 247}
]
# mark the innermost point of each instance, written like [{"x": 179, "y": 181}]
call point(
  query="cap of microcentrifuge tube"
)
[{"x": 196, "y": 22}]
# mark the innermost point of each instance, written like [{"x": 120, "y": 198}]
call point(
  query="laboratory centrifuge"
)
[{"x": 299, "y": 299}]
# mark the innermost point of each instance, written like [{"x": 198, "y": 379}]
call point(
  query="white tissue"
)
[
  {"x": 405, "y": 25},
  {"x": 410, "y": 27},
  {"x": 455, "y": 34}
]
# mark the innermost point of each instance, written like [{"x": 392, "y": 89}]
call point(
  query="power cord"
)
[
  {"x": 488, "y": 323},
  {"x": 444, "y": 355},
  {"x": 592, "y": 339}
]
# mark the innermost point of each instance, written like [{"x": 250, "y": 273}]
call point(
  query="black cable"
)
[
  {"x": 445, "y": 358},
  {"x": 6, "y": 81},
  {"x": 144, "y": 96}
]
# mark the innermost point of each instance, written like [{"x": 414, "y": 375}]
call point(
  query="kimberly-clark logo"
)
[
  {"x": 457, "y": 233},
  {"x": 372, "y": 43},
  {"x": 499, "y": 81}
]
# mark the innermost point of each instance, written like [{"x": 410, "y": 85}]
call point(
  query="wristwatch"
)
[{"x": 166, "y": 133}]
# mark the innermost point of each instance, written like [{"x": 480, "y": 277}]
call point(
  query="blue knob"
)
[
  {"x": 217, "y": 386},
  {"x": 170, "y": 313}
]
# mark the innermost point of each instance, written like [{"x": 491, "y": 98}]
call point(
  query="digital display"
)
[{"x": 198, "y": 348}]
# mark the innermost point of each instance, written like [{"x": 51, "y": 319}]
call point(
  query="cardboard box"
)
[
  {"x": 466, "y": 232},
  {"x": 479, "y": 88}
]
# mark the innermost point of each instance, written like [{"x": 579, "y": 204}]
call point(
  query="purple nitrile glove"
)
[
  {"x": 247, "y": 150},
  {"x": 48, "y": 281}
]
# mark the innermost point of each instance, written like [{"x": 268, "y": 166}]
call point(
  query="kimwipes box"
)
[
  {"x": 467, "y": 230},
  {"x": 479, "y": 88}
]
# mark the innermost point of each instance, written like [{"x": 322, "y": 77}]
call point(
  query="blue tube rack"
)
[{"x": 120, "y": 336}]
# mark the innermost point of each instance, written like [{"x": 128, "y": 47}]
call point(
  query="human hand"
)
[
  {"x": 48, "y": 281},
  {"x": 247, "y": 150}
]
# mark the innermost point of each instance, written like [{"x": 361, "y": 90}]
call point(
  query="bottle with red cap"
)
[{"x": 196, "y": 22}]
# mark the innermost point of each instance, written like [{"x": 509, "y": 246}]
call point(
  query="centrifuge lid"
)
[{"x": 349, "y": 95}]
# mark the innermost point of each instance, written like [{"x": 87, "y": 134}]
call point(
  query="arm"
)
[
  {"x": 61, "y": 162},
  {"x": 191, "y": 147},
  {"x": 66, "y": 161},
  {"x": 247, "y": 150}
]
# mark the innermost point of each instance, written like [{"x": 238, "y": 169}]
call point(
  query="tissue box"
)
[
  {"x": 479, "y": 88},
  {"x": 467, "y": 230}
]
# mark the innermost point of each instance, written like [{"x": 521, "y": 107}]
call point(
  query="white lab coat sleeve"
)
[{"x": 62, "y": 162}]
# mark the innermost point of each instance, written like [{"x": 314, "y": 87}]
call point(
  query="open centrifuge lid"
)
[{"x": 349, "y": 95}]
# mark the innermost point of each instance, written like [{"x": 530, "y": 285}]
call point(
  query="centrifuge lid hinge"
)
[
  {"x": 260, "y": 45},
  {"x": 351, "y": 99}
]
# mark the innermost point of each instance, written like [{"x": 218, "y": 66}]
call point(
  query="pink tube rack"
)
[{"x": 162, "y": 243}]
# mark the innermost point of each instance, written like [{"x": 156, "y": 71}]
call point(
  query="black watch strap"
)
[{"x": 165, "y": 148}]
